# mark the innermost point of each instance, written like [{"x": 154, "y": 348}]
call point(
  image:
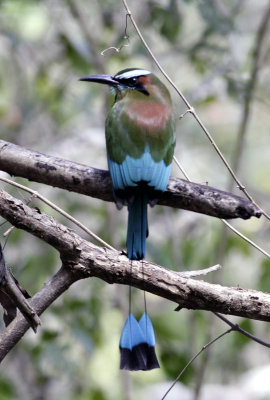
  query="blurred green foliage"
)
[{"x": 207, "y": 47}]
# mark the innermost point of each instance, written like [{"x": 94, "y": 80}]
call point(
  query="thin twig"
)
[
  {"x": 59, "y": 210},
  {"x": 13, "y": 296},
  {"x": 181, "y": 169},
  {"x": 237, "y": 328},
  {"x": 12, "y": 290},
  {"x": 192, "y": 111},
  {"x": 125, "y": 37},
  {"x": 223, "y": 220},
  {"x": 194, "y": 358},
  {"x": 246, "y": 239},
  {"x": 205, "y": 271}
]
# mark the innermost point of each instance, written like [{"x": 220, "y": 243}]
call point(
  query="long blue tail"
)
[
  {"x": 137, "y": 345},
  {"x": 137, "y": 227},
  {"x": 137, "y": 342}
]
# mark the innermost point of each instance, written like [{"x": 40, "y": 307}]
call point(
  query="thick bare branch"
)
[
  {"x": 85, "y": 260},
  {"x": 55, "y": 171},
  {"x": 82, "y": 259}
]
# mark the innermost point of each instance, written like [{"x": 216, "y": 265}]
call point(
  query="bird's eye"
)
[{"x": 133, "y": 81}]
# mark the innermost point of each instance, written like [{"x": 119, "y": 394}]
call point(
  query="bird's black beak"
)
[{"x": 105, "y": 79}]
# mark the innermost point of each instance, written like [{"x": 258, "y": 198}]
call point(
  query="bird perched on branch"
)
[{"x": 140, "y": 140}]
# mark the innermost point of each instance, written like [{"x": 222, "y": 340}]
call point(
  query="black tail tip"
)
[{"x": 141, "y": 358}]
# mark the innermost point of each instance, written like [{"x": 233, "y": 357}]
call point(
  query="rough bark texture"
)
[
  {"x": 84, "y": 259},
  {"x": 55, "y": 171}
]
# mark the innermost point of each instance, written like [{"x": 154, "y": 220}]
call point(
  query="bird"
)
[{"x": 140, "y": 142}]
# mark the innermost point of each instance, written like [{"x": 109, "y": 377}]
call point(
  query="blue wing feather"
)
[{"x": 132, "y": 171}]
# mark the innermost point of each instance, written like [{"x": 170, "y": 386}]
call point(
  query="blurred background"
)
[{"x": 218, "y": 54}]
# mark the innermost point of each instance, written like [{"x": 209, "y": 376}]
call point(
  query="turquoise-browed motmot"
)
[{"x": 140, "y": 140}]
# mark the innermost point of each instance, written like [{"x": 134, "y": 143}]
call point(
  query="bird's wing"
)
[
  {"x": 136, "y": 153},
  {"x": 132, "y": 171}
]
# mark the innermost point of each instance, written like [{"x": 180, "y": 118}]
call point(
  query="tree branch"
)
[
  {"x": 13, "y": 294},
  {"x": 82, "y": 259},
  {"x": 55, "y": 171},
  {"x": 86, "y": 260}
]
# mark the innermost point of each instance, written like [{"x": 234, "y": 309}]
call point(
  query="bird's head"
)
[{"x": 131, "y": 80}]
